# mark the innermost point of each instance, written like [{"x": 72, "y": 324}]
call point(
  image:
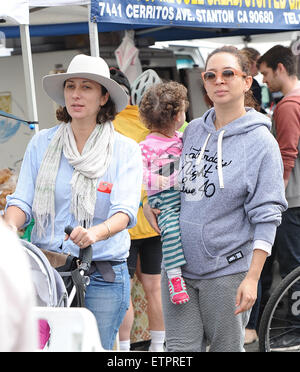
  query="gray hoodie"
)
[{"x": 232, "y": 193}]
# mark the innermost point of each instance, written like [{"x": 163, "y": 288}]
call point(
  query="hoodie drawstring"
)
[
  {"x": 220, "y": 168},
  {"x": 198, "y": 161},
  {"x": 219, "y": 154}
]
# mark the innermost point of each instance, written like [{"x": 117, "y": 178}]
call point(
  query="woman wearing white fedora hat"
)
[{"x": 84, "y": 174}]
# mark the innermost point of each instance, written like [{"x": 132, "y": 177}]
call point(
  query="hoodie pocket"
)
[
  {"x": 199, "y": 259},
  {"x": 226, "y": 237},
  {"x": 207, "y": 247}
]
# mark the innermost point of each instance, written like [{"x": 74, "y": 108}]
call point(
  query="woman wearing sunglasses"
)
[{"x": 232, "y": 197}]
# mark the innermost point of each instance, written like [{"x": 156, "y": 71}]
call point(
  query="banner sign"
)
[{"x": 258, "y": 14}]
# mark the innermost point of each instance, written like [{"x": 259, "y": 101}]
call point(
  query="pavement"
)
[
  {"x": 144, "y": 345},
  {"x": 252, "y": 348}
]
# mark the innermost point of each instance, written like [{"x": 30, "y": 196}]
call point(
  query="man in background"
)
[{"x": 278, "y": 67}]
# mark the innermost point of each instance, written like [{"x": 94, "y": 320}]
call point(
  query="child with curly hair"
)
[{"x": 162, "y": 110}]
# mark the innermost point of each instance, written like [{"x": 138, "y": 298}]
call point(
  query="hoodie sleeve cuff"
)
[
  {"x": 265, "y": 231},
  {"x": 263, "y": 245}
]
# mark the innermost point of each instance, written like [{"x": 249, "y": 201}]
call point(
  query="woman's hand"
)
[
  {"x": 151, "y": 216},
  {"x": 246, "y": 295},
  {"x": 247, "y": 291},
  {"x": 83, "y": 237},
  {"x": 105, "y": 230}
]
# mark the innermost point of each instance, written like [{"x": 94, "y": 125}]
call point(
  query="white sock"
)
[
  {"x": 172, "y": 273},
  {"x": 157, "y": 340},
  {"x": 124, "y": 345}
]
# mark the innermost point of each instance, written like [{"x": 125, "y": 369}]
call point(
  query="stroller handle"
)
[{"x": 85, "y": 255}]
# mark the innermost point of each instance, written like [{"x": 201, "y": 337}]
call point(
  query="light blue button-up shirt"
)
[{"x": 124, "y": 172}]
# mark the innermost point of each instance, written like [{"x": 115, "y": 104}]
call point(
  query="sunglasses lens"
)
[
  {"x": 227, "y": 74},
  {"x": 209, "y": 76}
]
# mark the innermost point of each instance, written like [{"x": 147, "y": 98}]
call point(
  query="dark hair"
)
[
  {"x": 279, "y": 54},
  {"x": 161, "y": 103},
  {"x": 119, "y": 77},
  {"x": 106, "y": 113},
  {"x": 244, "y": 65}
]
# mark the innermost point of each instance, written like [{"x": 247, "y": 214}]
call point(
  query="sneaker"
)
[
  {"x": 177, "y": 289},
  {"x": 286, "y": 342}
]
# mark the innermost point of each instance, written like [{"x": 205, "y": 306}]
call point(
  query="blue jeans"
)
[
  {"x": 286, "y": 249},
  {"x": 287, "y": 241},
  {"x": 254, "y": 315},
  {"x": 109, "y": 302}
]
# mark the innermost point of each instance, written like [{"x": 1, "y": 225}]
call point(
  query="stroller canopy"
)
[{"x": 49, "y": 286}]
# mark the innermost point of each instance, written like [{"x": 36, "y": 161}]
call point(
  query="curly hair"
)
[
  {"x": 161, "y": 103},
  {"x": 244, "y": 65},
  {"x": 106, "y": 113}
]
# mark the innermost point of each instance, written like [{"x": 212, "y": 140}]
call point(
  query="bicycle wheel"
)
[{"x": 279, "y": 329}]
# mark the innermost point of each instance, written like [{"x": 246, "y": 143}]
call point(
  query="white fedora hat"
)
[{"x": 86, "y": 67}]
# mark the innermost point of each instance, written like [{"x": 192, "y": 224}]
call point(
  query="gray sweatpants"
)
[{"x": 207, "y": 319}]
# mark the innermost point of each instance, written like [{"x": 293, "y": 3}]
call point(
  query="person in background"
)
[
  {"x": 84, "y": 174},
  {"x": 145, "y": 253},
  {"x": 162, "y": 110},
  {"x": 253, "y": 55},
  {"x": 232, "y": 197},
  {"x": 18, "y": 327},
  {"x": 278, "y": 67}
]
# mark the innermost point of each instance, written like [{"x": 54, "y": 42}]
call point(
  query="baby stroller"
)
[{"x": 60, "y": 280}]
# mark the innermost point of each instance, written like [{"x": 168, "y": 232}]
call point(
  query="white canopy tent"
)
[
  {"x": 47, "y": 3},
  {"x": 93, "y": 30},
  {"x": 17, "y": 12}
]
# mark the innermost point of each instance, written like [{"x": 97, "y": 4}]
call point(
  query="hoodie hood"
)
[{"x": 248, "y": 122}]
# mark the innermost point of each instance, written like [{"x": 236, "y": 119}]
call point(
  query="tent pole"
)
[
  {"x": 93, "y": 34},
  {"x": 28, "y": 73}
]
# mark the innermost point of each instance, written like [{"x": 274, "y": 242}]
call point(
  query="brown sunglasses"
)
[{"x": 226, "y": 75}]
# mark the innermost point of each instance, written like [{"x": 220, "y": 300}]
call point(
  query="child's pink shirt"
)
[{"x": 159, "y": 155}]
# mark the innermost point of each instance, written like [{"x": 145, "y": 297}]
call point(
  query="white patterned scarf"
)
[{"x": 88, "y": 167}]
